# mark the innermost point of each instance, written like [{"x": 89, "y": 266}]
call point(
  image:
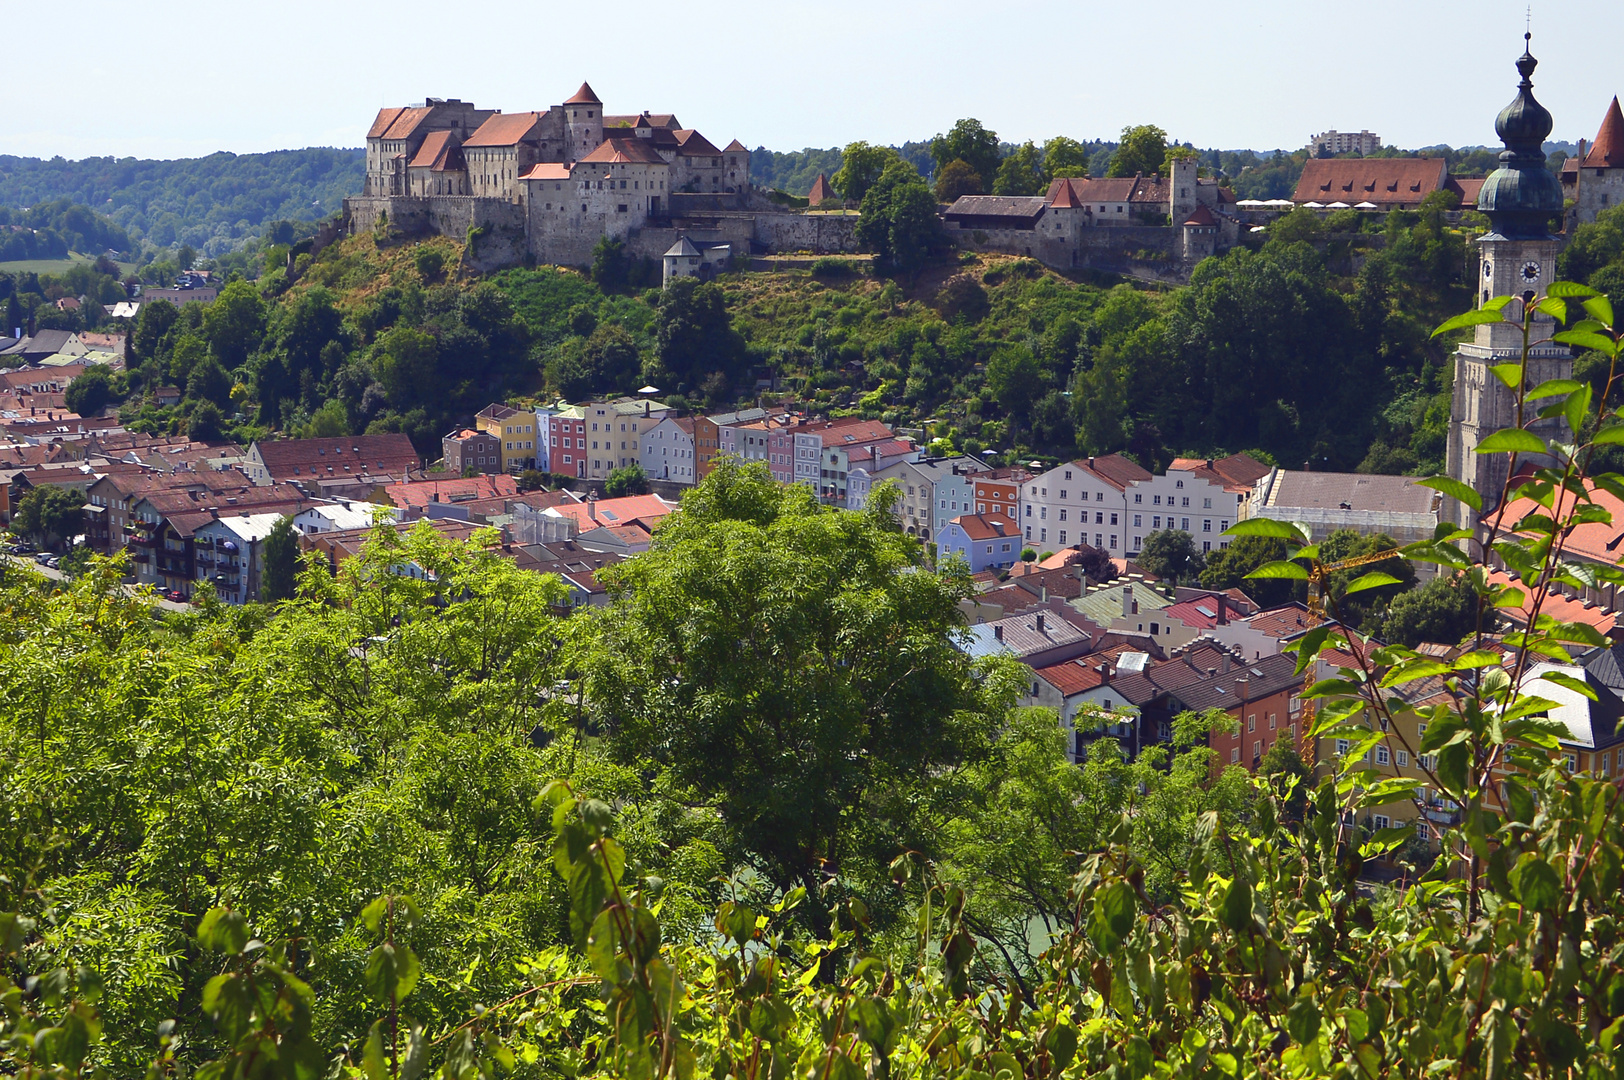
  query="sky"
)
[{"x": 187, "y": 80}]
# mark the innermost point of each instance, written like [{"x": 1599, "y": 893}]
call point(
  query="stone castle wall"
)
[{"x": 565, "y": 234}]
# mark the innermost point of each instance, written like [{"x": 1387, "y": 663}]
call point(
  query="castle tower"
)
[
  {"x": 1518, "y": 259},
  {"x": 583, "y": 124},
  {"x": 1182, "y": 188}
]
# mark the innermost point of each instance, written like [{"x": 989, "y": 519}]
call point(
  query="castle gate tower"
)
[{"x": 1518, "y": 259}]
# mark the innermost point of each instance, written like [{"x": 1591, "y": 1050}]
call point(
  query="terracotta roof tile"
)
[
  {"x": 1065, "y": 196},
  {"x": 821, "y": 191},
  {"x": 1376, "y": 180},
  {"x": 547, "y": 171},
  {"x": 406, "y": 122},
  {"x": 1202, "y": 216},
  {"x": 583, "y": 96},
  {"x": 624, "y": 151},
  {"x": 735, "y": 147},
  {"x": 691, "y": 143},
  {"x": 440, "y": 151},
  {"x": 1608, "y": 153},
  {"x": 1116, "y": 470},
  {"x": 385, "y": 118},
  {"x": 506, "y": 129},
  {"x": 986, "y": 526}
]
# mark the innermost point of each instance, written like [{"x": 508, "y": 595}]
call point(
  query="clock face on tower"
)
[{"x": 1530, "y": 272}]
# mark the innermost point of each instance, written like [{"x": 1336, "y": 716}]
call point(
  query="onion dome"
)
[{"x": 1522, "y": 195}]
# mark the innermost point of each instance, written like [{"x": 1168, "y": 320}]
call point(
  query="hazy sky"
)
[{"x": 184, "y": 80}]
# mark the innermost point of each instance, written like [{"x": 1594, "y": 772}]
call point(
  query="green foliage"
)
[
  {"x": 1143, "y": 149},
  {"x": 1171, "y": 554},
  {"x": 861, "y": 167},
  {"x": 280, "y": 556},
  {"x": 697, "y": 345},
  {"x": 90, "y": 392},
  {"x": 794, "y": 172},
  {"x": 626, "y": 480},
  {"x": 214, "y": 204},
  {"x": 972, "y": 144},
  {"x": 899, "y": 221},
  {"x": 956, "y": 178},
  {"x": 49, "y": 514},
  {"x": 1444, "y": 610},
  {"x": 1231, "y": 567},
  {"x": 1022, "y": 172}
]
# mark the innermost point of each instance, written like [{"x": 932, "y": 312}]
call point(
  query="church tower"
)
[{"x": 1518, "y": 259}]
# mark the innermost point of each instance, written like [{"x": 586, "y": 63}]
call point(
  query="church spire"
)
[{"x": 1521, "y": 195}]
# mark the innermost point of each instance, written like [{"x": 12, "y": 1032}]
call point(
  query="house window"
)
[
  {"x": 1062, "y": 537},
  {"x": 1341, "y": 747},
  {"x": 1403, "y": 759},
  {"x": 1137, "y": 497},
  {"x": 1235, "y": 755},
  {"x": 1251, "y": 721},
  {"x": 1206, "y": 525},
  {"x": 1382, "y": 821},
  {"x": 1382, "y": 757}
]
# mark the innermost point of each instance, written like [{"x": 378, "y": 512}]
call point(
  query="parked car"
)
[
  {"x": 53, "y": 562},
  {"x": 175, "y": 596},
  {"x": 43, "y": 557}
]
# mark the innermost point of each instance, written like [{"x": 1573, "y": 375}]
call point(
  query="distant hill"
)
[{"x": 215, "y": 203}]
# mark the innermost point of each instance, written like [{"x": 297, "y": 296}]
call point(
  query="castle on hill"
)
[{"x": 547, "y": 186}]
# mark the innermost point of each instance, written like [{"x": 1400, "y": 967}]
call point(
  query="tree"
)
[
  {"x": 612, "y": 358},
  {"x": 328, "y": 422},
  {"x": 235, "y": 323},
  {"x": 738, "y": 659},
  {"x": 152, "y": 325},
  {"x": 1346, "y": 544},
  {"x": 626, "y": 480},
  {"x": 532, "y": 480},
  {"x": 1143, "y": 149},
  {"x": 1171, "y": 554},
  {"x": 1063, "y": 157},
  {"x": 1444, "y": 610},
  {"x": 972, "y": 144},
  {"x": 957, "y": 178},
  {"x": 49, "y": 514},
  {"x": 898, "y": 220},
  {"x": 1015, "y": 379},
  {"x": 208, "y": 381},
  {"x": 611, "y": 268},
  {"x": 1021, "y": 173},
  {"x": 89, "y": 392},
  {"x": 206, "y": 423},
  {"x": 861, "y": 166},
  {"x": 694, "y": 333},
  {"x": 279, "y": 557},
  {"x": 1227, "y": 569}
]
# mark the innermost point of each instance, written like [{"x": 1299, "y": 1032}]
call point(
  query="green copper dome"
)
[{"x": 1522, "y": 195}]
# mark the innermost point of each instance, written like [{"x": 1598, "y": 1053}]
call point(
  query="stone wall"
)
[
  {"x": 1139, "y": 251},
  {"x": 819, "y": 233}
]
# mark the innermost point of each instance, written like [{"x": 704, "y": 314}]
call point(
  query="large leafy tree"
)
[
  {"x": 1143, "y": 149},
  {"x": 694, "y": 333},
  {"x": 1021, "y": 173},
  {"x": 50, "y": 514},
  {"x": 791, "y": 666},
  {"x": 1064, "y": 157},
  {"x": 235, "y": 323},
  {"x": 899, "y": 222},
  {"x": 280, "y": 558},
  {"x": 1171, "y": 554},
  {"x": 970, "y": 142},
  {"x": 861, "y": 165}
]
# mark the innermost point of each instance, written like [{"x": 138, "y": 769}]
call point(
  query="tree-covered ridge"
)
[{"x": 214, "y": 204}]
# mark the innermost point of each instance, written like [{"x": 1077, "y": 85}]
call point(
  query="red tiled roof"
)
[
  {"x": 626, "y": 510},
  {"x": 1564, "y": 608},
  {"x": 1119, "y": 189},
  {"x": 1202, "y": 216},
  {"x": 692, "y": 144},
  {"x": 1608, "y": 153},
  {"x": 406, "y": 122},
  {"x": 505, "y": 129},
  {"x": 547, "y": 171},
  {"x": 633, "y": 151},
  {"x": 1115, "y": 470},
  {"x": 369, "y": 453},
  {"x": 1467, "y": 190},
  {"x": 1073, "y": 676},
  {"x": 440, "y": 151},
  {"x": 986, "y": 526},
  {"x": 381, "y": 124},
  {"x": 821, "y": 191},
  {"x": 655, "y": 120},
  {"x": 855, "y": 432},
  {"x": 1593, "y": 541},
  {"x": 735, "y": 147},
  {"x": 1376, "y": 180},
  {"x": 1065, "y": 196},
  {"x": 583, "y": 96}
]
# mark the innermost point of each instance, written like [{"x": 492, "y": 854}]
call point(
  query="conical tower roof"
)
[
  {"x": 1065, "y": 197},
  {"x": 821, "y": 191},
  {"x": 583, "y": 96},
  {"x": 1608, "y": 153}
]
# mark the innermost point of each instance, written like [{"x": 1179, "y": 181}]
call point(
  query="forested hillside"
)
[{"x": 213, "y": 204}]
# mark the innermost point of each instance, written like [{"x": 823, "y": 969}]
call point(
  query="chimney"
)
[
  {"x": 1223, "y": 615},
  {"x": 997, "y": 632},
  {"x": 1225, "y": 664},
  {"x": 1127, "y": 601},
  {"x": 1106, "y": 671},
  {"x": 1242, "y": 685},
  {"x": 1040, "y": 623}
]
